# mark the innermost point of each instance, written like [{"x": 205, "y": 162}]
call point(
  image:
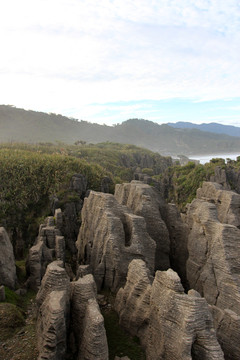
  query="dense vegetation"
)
[
  {"x": 182, "y": 182},
  {"x": 27, "y": 181},
  {"x": 31, "y": 174}
]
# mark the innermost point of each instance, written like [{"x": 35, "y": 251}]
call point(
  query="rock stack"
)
[
  {"x": 110, "y": 237},
  {"x": 169, "y": 323},
  {"x": 8, "y": 275}
]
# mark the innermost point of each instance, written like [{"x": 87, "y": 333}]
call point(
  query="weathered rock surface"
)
[
  {"x": 8, "y": 275},
  {"x": 145, "y": 201},
  {"x": 53, "y": 300},
  {"x": 227, "y": 202},
  {"x": 48, "y": 246},
  {"x": 2, "y": 293},
  {"x": 55, "y": 279},
  {"x": 213, "y": 267},
  {"x": 110, "y": 238},
  {"x": 52, "y": 326},
  {"x": 178, "y": 234},
  {"x": 94, "y": 341},
  {"x": 220, "y": 177},
  {"x": 227, "y": 325},
  {"x": 170, "y": 324},
  {"x": 83, "y": 290},
  {"x": 39, "y": 257}
]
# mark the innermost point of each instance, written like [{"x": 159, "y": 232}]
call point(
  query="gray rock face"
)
[
  {"x": 178, "y": 234},
  {"x": 55, "y": 279},
  {"x": 220, "y": 177},
  {"x": 39, "y": 257},
  {"x": 170, "y": 324},
  {"x": 213, "y": 267},
  {"x": 8, "y": 275},
  {"x": 49, "y": 245},
  {"x": 78, "y": 183},
  {"x": 53, "y": 300},
  {"x": 227, "y": 325},
  {"x": 94, "y": 341},
  {"x": 2, "y": 293},
  {"x": 110, "y": 237},
  {"x": 52, "y": 326},
  {"x": 227, "y": 202},
  {"x": 83, "y": 290},
  {"x": 145, "y": 201}
]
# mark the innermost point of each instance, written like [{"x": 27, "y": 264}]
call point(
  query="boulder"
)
[
  {"x": 145, "y": 201},
  {"x": 170, "y": 324},
  {"x": 8, "y": 275},
  {"x": 110, "y": 237}
]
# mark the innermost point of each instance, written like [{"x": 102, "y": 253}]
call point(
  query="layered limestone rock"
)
[
  {"x": 213, "y": 267},
  {"x": 145, "y": 201},
  {"x": 110, "y": 238},
  {"x": 220, "y": 177},
  {"x": 227, "y": 325},
  {"x": 52, "y": 326},
  {"x": 178, "y": 234},
  {"x": 170, "y": 324},
  {"x": 227, "y": 202},
  {"x": 53, "y": 300},
  {"x": 83, "y": 290},
  {"x": 94, "y": 341},
  {"x": 55, "y": 279},
  {"x": 48, "y": 245},
  {"x": 86, "y": 320},
  {"x": 8, "y": 275}
]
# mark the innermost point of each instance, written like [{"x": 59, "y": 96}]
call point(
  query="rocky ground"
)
[{"x": 18, "y": 343}]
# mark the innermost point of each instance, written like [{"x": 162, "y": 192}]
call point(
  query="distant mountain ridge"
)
[
  {"x": 19, "y": 125},
  {"x": 211, "y": 127}
]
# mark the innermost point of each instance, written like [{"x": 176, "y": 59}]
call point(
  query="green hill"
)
[{"x": 18, "y": 125}]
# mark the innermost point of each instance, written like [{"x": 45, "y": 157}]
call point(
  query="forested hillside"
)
[{"x": 18, "y": 125}]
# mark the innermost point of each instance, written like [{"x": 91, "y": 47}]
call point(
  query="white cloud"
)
[{"x": 71, "y": 53}]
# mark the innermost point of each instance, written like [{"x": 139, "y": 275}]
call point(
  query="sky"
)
[{"x": 106, "y": 61}]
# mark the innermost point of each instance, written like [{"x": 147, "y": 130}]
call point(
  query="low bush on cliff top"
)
[
  {"x": 185, "y": 180},
  {"x": 29, "y": 178}
]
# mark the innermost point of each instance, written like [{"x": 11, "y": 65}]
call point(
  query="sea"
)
[{"x": 206, "y": 158}]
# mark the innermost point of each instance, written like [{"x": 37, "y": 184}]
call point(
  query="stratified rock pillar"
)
[
  {"x": 8, "y": 275},
  {"x": 170, "y": 324}
]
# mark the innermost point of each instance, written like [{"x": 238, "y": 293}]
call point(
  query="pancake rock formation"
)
[
  {"x": 8, "y": 275},
  {"x": 110, "y": 237},
  {"x": 66, "y": 309},
  {"x": 170, "y": 324},
  {"x": 48, "y": 246},
  {"x": 145, "y": 201},
  {"x": 213, "y": 267}
]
